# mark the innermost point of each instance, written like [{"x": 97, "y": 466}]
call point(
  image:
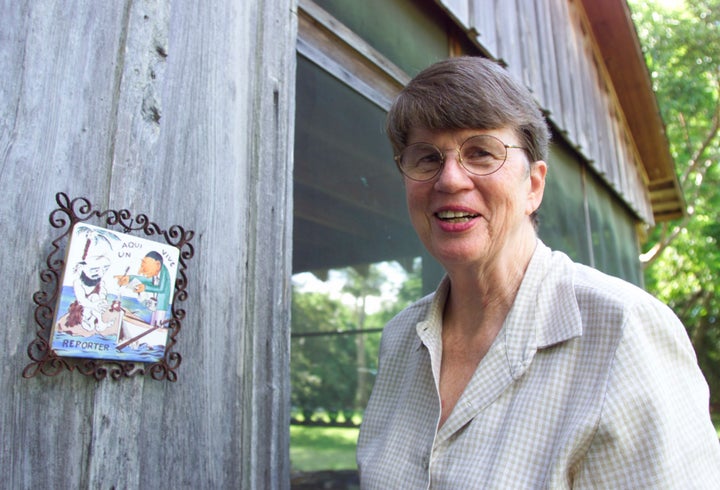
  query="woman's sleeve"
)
[{"x": 655, "y": 429}]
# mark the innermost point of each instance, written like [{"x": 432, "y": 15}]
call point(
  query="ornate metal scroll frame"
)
[{"x": 44, "y": 359}]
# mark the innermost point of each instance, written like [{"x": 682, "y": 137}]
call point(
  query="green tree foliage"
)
[
  {"x": 682, "y": 262},
  {"x": 323, "y": 371},
  {"x": 332, "y": 364},
  {"x": 361, "y": 282}
]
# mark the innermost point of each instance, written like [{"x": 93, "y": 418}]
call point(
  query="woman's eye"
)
[
  {"x": 477, "y": 154},
  {"x": 430, "y": 158}
]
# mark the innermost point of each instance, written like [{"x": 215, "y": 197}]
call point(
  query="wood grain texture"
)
[{"x": 185, "y": 113}]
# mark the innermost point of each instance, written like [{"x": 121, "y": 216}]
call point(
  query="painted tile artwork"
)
[{"x": 116, "y": 296}]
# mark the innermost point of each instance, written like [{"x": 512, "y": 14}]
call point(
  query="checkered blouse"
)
[{"x": 591, "y": 383}]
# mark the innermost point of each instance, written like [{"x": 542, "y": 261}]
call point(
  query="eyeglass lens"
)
[{"x": 480, "y": 155}]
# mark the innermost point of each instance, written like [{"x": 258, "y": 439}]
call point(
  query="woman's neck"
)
[{"x": 480, "y": 298}]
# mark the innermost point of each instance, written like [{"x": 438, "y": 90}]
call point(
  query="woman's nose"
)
[{"x": 452, "y": 174}]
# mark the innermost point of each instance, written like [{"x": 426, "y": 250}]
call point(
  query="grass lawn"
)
[
  {"x": 322, "y": 448},
  {"x": 333, "y": 448}
]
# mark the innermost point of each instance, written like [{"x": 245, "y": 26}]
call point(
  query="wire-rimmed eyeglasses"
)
[{"x": 480, "y": 155}]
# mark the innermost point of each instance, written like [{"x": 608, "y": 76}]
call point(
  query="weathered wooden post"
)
[{"x": 183, "y": 111}]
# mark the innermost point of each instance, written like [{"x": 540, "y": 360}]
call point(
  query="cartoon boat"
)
[{"x": 134, "y": 332}]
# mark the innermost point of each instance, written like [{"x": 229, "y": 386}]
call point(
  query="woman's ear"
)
[{"x": 538, "y": 170}]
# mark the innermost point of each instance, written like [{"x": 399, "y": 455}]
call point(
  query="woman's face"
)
[{"x": 464, "y": 219}]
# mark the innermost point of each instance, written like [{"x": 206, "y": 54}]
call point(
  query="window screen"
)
[
  {"x": 562, "y": 213},
  {"x": 410, "y": 33}
]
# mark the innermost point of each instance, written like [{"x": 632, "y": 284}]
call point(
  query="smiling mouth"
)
[{"x": 455, "y": 216}]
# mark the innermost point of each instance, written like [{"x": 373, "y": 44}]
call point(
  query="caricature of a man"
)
[
  {"x": 153, "y": 278},
  {"x": 90, "y": 293}
]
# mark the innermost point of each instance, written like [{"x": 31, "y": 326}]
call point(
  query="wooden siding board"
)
[
  {"x": 340, "y": 52},
  {"x": 599, "y": 139},
  {"x": 482, "y": 15},
  {"x": 593, "y": 109},
  {"x": 510, "y": 39},
  {"x": 612, "y": 149},
  {"x": 269, "y": 228},
  {"x": 531, "y": 72},
  {"x": 185, "y": 115},
  {"x": 550, "y": 99},
  {"x": 168, "y": 167},
  {"x": 54, "y": 68},
  {"x": 606, "y": 142},
  {"x": 564, "y": 116},
  {"x": 576, "y": 55},
  {"x": 460, "y": 10},
  {"x": 618, "y": 45},
  {"x": 379, "y": 94},
  {"x": 620, "y": 152},
  {"x": 623, "y": 157}
]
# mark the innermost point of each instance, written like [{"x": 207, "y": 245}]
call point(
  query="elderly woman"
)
[{"x": 523, "y": 369}]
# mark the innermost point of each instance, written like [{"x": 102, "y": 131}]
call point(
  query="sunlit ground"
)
[
  {"x": 333, "y": 448},
  {"x": 322, "y": 448}
]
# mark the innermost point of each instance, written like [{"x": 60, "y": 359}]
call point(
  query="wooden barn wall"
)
[
  {"x": 182, "y": 111},
  {"x": 545, "y": 44}
]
